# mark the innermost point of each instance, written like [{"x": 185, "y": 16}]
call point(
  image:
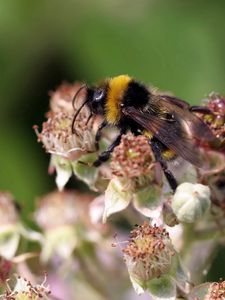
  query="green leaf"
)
[
  {"x": 163, "y": 288},
  {"x": 84, "y": 171}
]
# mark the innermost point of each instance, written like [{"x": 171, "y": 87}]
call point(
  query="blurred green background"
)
[{"x": 175, "y": 45}]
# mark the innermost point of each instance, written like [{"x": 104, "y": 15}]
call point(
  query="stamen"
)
[{"x": 89, "y": 118}]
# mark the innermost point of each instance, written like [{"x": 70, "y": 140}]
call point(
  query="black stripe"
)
[{"x": 137, "y": 95}]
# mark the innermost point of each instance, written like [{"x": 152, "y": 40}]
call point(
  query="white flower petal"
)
[
  {"x": 137, "y": 287},
  {"x": 31, "y": 234},
  {"x": 96, "y": 209},
  {"x": 61, "y": 241},
  {"x": 176, "y": 235},
  {"x": 148, "y": 202},
  {"x": 63, "y": 170},
  {"x": 9, "y": 241},
  {"x": 199, "y": 291},
  {"x": 116, "y": 199}
]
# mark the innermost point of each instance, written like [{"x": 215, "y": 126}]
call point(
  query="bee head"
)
[{"x": 94, "y": 98}]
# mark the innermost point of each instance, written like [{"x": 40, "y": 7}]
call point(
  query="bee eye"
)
[{"x": 99, "y": 95}]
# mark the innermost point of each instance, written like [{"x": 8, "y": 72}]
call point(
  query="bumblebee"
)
[{"x": 169, "y": 123}]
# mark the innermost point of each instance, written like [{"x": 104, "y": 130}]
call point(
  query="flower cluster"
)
[
  {"x": 179, "y": 233},
  {"x": 149, "y": 252},
  {"x": 132, "y": 159},
  {"x": 56, "y": 135},
  {"x": 135, "y": 178},
  {"x": 65, "y": 223},
  {"x": 208, "y": 291},
  {"x": 11, "y": 228},
  {"x": 24, "y": 290},
  {"x": 57, "y": 209},
  {"x": 152, "y": 261}
]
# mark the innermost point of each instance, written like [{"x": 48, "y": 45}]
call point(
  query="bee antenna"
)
[
  {"x": 75, "y": 116},
  {"x": 79, "y": 109},
  {"x": 77, "y": 93}
]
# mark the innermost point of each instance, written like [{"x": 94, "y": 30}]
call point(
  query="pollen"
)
[
  {"x": 132, "y": 158},
  {"x": 216, "y": 291},
  {"x": 56, "y": 133},
  {"x": 24, "y": 290},
  {"x": 117, "y": 86},
  {"x": 57, "y": 138}
]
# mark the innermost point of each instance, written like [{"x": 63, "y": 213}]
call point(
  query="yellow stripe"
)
[
  {"x": 148, "y": 134},
  {"x": 168, "y": 154},
  {"x": 116, "y": 89}
]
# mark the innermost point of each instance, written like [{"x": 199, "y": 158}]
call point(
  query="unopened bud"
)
[{"x": 191, "y": 201}]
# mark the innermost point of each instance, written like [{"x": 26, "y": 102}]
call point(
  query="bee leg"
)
[
  {"x": 158, "y": 157},
  {"x": 104, "y": 156},
  {"x": 200, "y": 109},
  {"x": 99, "y": 134}
]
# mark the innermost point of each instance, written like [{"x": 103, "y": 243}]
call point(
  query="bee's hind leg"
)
[
  {"x": 200, "y": 109},
  {"x": 155, "y": 145}
]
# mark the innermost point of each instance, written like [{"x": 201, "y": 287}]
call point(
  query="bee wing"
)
[
  {"x": 170, "y": 132},
  {"x": 196, "y": 127},
  {"x": 174, "y": 101}
]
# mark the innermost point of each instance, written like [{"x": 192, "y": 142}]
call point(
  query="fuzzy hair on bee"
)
[{"x": 168, "y": 122}]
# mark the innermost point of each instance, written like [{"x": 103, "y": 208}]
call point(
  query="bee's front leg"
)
[
  {"x": 99, "y": 134},
  {"x": 104, "y": 156}
]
